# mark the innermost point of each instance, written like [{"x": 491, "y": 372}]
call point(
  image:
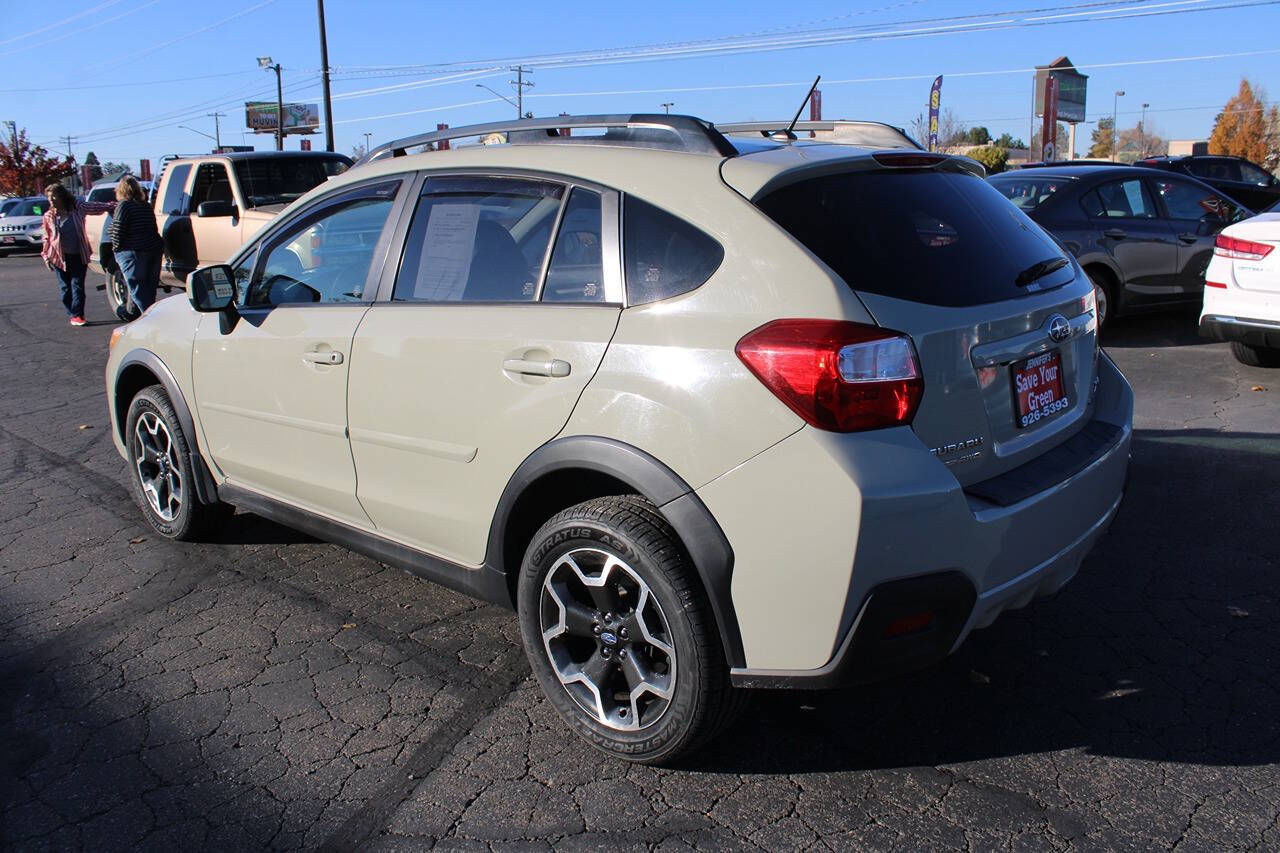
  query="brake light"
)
[
  {"x": 837, "y": 375},
  {"x": 1241, "y": 250},
  {"x": 907, "y": 160}
]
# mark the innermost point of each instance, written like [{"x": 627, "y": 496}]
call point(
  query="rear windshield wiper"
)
[{"x": 1039, "y": 270}]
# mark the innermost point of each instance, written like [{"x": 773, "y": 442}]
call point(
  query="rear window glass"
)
[
  {"x": 1028, "y": 193},
  {"x": 940, "y": 238},
  {"x": 665, "y": 256}
]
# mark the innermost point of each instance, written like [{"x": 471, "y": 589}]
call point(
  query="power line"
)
[
  {"x": 63, "y": 22},
  {"x": 73, "y": 33}
]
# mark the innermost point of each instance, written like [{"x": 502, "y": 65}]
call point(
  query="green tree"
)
[
  {"x": 26, "y": 169},
  {"x": 994, "y": 159},
  {"x": 1007, "y": 141},
  {"x": 95, "y": 168},
  {"x": 1102, "y": 139},
  {"x": 978, "y": 136}
]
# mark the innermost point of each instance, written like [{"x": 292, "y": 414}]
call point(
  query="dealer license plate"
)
[
  {"x": 1038, "y": 389},
  {"x": 9, "y": 239}
]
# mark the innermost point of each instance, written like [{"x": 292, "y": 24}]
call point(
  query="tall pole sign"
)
[
  {"x": 1050, "y": 129},
  {"x": 935, "y": 100}
]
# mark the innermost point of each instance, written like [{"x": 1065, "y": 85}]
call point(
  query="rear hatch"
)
[{"x": 1001, "y": 318}]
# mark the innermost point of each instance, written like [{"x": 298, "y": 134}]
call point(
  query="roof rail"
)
[
  {"x": 643, "y": 130},
  {"x": 858, "y": 132}
]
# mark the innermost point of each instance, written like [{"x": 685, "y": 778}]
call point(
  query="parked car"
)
[
  {"x": 710, "y": 414},
  {"x": 206, "y": 207},
  {"x": 22, "y": 227},
  {"x": 1143, "y": 237},
  {"x": 1242, "y": 291},
  {"x": 8, "y": 204},
  {"x": 1235, "y": 177}
]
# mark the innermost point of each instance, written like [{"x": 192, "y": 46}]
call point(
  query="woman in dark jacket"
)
[
  {"x": 66, "y": 248},
  {"x": 137, "y": 246}
]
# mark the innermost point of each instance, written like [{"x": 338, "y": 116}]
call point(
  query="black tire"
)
[
  {"x": 117, "y": 293},
  {"x": 701, "y": 701},
  {"x": 1105, "y": 294},
  {"x": 1255, "y": 356},
  {"x": 177, "y": 512}
]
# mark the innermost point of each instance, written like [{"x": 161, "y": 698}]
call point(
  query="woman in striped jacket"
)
[
  {"x": 137, "y": 246},
  {"x": 66, "y": 248}
]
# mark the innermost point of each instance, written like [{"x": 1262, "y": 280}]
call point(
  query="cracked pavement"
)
[{"x": 271, "y": 691}]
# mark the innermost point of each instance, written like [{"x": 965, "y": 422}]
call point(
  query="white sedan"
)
[{"x": 1242, "y": 291}]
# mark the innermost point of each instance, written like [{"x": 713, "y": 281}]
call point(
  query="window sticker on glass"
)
[
  {"x": 446, "y": 262},
  {"x": 221, "y": 285}
]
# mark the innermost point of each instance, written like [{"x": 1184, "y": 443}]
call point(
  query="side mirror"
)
[
  {"x": 216, "y": 208},
  {"x": 210, "y": 289}
]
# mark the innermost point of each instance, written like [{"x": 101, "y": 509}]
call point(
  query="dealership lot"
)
[{"x": 271, "y": 690}]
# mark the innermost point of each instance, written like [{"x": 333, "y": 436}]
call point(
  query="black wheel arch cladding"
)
[{"x": 703, "y": 540}]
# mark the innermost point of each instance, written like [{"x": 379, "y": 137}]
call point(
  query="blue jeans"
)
[
  {"x": 141, "y": 271},
  {"x": 71, "y": 281}
]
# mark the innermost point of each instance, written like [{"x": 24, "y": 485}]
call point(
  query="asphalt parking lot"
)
[{"x": 269, "y": 690}]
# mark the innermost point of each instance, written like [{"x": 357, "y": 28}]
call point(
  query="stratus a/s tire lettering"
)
[{"x": 620, "y": 634}]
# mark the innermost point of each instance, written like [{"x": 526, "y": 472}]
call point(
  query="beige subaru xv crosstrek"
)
[{"x": 712, "y": 412}]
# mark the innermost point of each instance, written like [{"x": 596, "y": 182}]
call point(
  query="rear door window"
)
[
  {"x": 942, "y": 238},
  {"x": 1187, "y": 201},
  {"x": 478, "y": 240},
  {"x": 576, "y": 271},
  {"x": 1122, "y": 200},
  {"x": 175, "y": 191},
  {"x": 665, "y": 256}
]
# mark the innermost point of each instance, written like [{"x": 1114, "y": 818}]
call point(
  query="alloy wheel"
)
[
  {"x": 607, "y": 639},
  {"x": 159, "y": 470}
]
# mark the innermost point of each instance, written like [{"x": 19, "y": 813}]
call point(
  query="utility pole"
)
[
  {"x": 217, "y": 130},
  {"x": 1142, "y": 133},
  {"x": 324, "y": 77},
  {"x": 666, "y": 107},
  {"x": 520, "y": 85},
  {"x": 265, "y": 62},
  {"x": 75, "y": 179}
]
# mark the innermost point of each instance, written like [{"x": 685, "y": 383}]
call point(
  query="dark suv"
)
[
  {"x": 1246, "y": 182},
  {"x": 1144, "y": 237}
]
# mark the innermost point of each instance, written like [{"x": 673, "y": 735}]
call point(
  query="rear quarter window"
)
[
  {"x": 941, "y": 238},
  {"x": 665, "y": 256}
]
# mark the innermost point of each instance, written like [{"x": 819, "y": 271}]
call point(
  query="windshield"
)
[
  {"x": 941, "y": 238},
  {"x": 102, "y": 194},
  {"x": 35, "y": 207},
  {"x": 280, "y": 180},
  {"x": 1028, "y": 192}
]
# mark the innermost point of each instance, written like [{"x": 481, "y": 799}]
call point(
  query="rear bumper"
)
[
  {"x": 925, "y": 562},
  {"x": 1246, "y": 330}
]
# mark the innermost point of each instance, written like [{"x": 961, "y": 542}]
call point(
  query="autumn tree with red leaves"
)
[{"x": 26, "y": 169}]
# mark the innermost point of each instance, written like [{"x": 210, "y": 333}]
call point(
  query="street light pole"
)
[
  {"x": 666, "y": 107},
  {"x": 1115, "y": 105},
  {"x": 1142, "y": 133},
  {"x": 324, "y": 76},
  {"x": 265, "y": 62},
  {"x": 366, "y": 142}
]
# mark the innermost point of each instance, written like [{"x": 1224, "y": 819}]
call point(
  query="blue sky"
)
[{"x": 75, "y": 69}]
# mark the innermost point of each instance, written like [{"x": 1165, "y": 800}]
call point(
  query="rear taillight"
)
[
  {"x": 837, "y": 375},
  {"x": 1241, "y": 250}
]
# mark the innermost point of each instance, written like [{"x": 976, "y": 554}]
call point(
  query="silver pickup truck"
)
[{"x": 206, "y": 207}]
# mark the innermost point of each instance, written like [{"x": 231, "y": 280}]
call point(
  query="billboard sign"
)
[
  {"x": 1049, "y": 132},
  {"x": 1072, "y": 88},
  {"x": 935, "y": 101},
  {"x": 260, "y": 117}
]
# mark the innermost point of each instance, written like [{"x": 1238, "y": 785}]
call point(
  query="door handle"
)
[
  {"x": 1188, "y": 238},
  {"x": 552, "y": 367},
  {"x": 1115, "y": 233},
  {"x": 329, "y": 356}
]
